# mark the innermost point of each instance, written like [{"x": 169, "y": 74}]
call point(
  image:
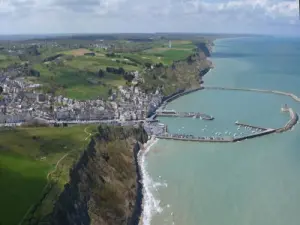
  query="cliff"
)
[
  {"x": 104, "y": 187},
  {"x": 181, "y": 74}
]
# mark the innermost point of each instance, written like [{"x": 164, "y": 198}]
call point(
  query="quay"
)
[
  {"x": 250, "y": 136},
  {"x": 183, "y": 137},
  {"x": 251, "y": 126},
  {"x": 173, "y": 113},
  {"x": 186, "y": 137}
]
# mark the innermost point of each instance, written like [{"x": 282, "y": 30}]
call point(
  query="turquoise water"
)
[{"x": 255, "y": 182}]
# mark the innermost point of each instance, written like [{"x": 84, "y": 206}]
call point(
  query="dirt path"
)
[
  {"x": 88, "y": 133},
  {"x": 53, "y": 171}
]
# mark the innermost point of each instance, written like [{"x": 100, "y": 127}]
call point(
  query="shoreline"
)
[
  {"x": 148, "y": 200},
  {"x": 145, "y": 207}
]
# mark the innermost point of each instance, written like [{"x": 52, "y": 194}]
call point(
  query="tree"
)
[
  {"x": 121, "y": 70},
  {"x": 148, "y": 65},
  {"x": 101, "y": 73},
  {"x": 110, "y": 92},
  {"x": 1, "y": 89},
  {"x": 129, "y": 77}
]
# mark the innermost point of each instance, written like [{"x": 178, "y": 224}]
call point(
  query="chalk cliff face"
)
[{"x": 104, "y": 187}]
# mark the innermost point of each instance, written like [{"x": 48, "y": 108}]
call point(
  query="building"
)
[{"x": 41, "y": 98}]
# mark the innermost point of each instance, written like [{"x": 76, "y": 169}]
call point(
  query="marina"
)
[{"x": 257, "y": 131}]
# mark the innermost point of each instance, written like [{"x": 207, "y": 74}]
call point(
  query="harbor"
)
[{"x": 256, "y": 131}]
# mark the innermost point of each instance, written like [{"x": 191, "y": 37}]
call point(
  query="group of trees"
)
[
  {"x": 128, "y": 76},
  {"x": 112, "y": 55},
  {"x": 119, "y": 70},
  {"x": 53, "y": 57},
  {"x": 34, "y": 73}
]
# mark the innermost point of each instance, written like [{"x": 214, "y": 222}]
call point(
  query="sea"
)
[{"x": 252, "y": 182}]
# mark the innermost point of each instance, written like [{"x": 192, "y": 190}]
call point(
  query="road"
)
[{"x": 76, "y": 122}]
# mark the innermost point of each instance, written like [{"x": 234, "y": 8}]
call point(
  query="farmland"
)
[
  {"x": 7, "y": 60},
  {"x": 81, "y": 73}
]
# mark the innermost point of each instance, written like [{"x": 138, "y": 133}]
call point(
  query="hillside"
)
[
  {"x": 103, "y": 185},
  {"x": 185, "y": 73}
]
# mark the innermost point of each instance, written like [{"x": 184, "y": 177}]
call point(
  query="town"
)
[
  {"x": 42, "y": 83},
  {"x": 20, "y": 104}
]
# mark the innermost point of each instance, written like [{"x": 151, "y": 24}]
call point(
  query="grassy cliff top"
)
[{"x": 29, "y": 159}]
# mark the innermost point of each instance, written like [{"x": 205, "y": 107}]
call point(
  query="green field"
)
[
  {"x": 25, "y": 163},
  {"x": 77, "y": 77},
  {"x": 95, "y": 63},
  {"x": 77, "y": 83},
  {"x": 180, "y": 50},
  {"x": 5, "y": 61}
]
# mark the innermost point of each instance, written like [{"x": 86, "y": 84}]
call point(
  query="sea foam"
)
[{"x": 151, "y": 205}]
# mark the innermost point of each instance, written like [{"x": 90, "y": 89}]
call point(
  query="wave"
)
[{"x": 151, "y": 205}]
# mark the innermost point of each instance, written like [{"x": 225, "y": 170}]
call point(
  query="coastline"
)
[{"x": 148, "y": 201}]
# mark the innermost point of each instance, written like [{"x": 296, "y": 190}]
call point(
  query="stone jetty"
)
[{"x": 173, "y": 113}]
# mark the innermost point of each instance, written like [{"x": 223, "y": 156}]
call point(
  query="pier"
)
[
  {"x": 251, "y": 126},
  {"x": 173, "y": 113},
  {"x": 186, "y": 137}
]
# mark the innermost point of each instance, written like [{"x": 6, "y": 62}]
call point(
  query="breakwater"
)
[
  {"x": 184, "y": 115},
  {"x": 292, "y": 122},
  {"x": 295, "y": 97},
  {"x": 177, "y": 95}
]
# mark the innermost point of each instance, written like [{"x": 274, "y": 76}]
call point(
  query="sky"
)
[{"x": 148, "y": 16}]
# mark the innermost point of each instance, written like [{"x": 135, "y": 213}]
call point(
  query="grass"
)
[
  {"x": 76, "y": 83},
  {"x": 167, "y": 55},
  {"x": 82, "y": 92},
  {"x": 94, "y": 63},
  {"x": 77, "y": 52},
  {"x": 173, "y": 55},
  {"x": 25, "y": 163},
  {"x": 5, "y": 60},
  {"x": 22, "y": 180},
  {"x": 77, "y": 77},
  {"x": 180, "y": 50}
]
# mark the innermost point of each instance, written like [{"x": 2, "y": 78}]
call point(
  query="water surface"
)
[{"x": 255, "y": 182}]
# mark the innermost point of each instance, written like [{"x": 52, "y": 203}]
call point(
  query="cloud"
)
[{"x": 145, "y": 15}]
